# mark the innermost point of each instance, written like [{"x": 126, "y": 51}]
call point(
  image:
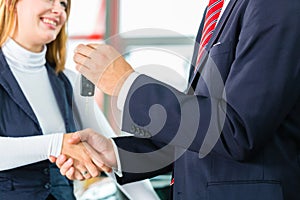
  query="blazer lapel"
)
[
  {"x": 58, "y": 90},
  {"x": 10, "y": 84}
]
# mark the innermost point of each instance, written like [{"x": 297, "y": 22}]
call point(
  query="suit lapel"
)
[
  {"x": 10, "y": 84},
  {"x": 194, "y": 77},
  {"x": 221, "y": 23}
]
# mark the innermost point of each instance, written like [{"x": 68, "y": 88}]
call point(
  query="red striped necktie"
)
[{"x": 212, "y": 14}]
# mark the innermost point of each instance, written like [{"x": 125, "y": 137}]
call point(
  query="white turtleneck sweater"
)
[{"x": 31, "y": 74}]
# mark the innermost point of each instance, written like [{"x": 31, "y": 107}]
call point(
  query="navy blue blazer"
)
[
  {"x": 17, "y": 119},
  {"x": 236, "y": 134}
]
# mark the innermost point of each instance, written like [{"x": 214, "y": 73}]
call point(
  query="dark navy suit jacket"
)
[
  {"x": 255, "y": 116},
  {"x": 17, "y": 119}
]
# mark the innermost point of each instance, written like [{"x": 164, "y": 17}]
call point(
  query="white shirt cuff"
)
[
  {"x": 55, "y": 144},
  {"x": 118, "y": 170}
]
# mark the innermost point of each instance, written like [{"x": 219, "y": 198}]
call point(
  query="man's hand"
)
[
  {"x": 85, "y": 159},
  {"x": 102, "y": 65},
  {"x": 99, "y": 148}
]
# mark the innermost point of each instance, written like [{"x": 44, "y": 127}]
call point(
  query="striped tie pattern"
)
[{"x": 211, "y": 18}]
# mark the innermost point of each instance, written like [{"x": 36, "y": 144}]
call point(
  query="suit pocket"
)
[
  {"x": 246, "y": 190},
  {"x": 6, "y": 184},
  {"x": 220, "y": 48},
  {"x": 223, "y": 55}
]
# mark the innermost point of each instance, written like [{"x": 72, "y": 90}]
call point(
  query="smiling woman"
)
[
  {"x": 36, "y": 99},
  {"x": 46, "y": 20}
]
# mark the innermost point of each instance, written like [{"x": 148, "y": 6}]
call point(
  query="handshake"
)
[{"x": 85, "y": 154}]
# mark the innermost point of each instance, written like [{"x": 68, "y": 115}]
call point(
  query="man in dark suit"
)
[{"x": 236, "y": 133}]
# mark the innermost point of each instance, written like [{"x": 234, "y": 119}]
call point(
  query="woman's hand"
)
[{"x": 79, "y": 160}]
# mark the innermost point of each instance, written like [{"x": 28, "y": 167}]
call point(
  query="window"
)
[
  {"x": 180, "y": 16},
  {"x": 86, "y": 24}
]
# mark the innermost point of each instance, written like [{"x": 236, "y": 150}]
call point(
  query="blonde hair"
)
[{"x": 56, "y": 50}]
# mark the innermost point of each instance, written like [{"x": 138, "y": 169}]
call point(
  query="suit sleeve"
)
[
  {"x": 136, "y": 168},
  {"x": 261, "y": 90}
]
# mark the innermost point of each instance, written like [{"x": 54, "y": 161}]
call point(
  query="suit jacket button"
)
[
  {"x": 132, "y": 129},
  {"x": 147, "y": 134},
  {"x": 142, "y": 133},
  {"x": 47, "y": 186},
  {"x": 46, "y": 171}
]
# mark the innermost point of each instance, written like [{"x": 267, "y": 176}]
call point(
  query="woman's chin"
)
[{"x": 50, "y": 38}]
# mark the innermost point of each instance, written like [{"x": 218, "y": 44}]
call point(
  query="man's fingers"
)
[
  {"x": 80, "y": 136},
  {"x": 83, "y": 70},
  {"x": 85, "y": 134},
  {"x": 105, "y": 168},
  {"x": 95, "y": 46},
  {"x": 98, "y": 160},
  {"x": 92, "y": 155},
  {"x": 85, "y": 50},
  {"x": 85, "y": 62}
]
